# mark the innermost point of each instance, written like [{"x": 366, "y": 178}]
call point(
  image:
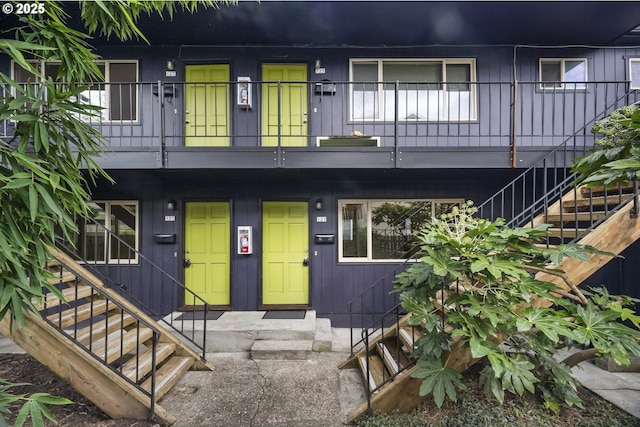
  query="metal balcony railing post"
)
[{"x": 163, "y": 142}]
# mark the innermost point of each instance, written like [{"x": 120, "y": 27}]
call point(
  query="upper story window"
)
[
  {"x": 117, "y": 219},
  {"x": 634, "y": 73},
  {"x": 427, "y": 90},
  {"x": 559, "y": 73},
  {"x": 384, "y": 230},
  {"x": 117, "y": 95}
]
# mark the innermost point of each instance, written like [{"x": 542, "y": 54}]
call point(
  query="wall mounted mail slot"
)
[
  {"x": 164, "y": 238},
  {"x": 325, "y": 88},
  {"x": 325, "y": 238}
]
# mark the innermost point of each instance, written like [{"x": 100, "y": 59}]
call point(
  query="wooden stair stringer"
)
[
  {"x": 111, "y": 393},
  {"x": 402, "y": 394},
  {"x": 181, "y": 348},
  {"x": 614, "y": 235}
]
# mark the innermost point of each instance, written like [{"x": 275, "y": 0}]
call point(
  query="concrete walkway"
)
[{"x": 277, "y": 386}]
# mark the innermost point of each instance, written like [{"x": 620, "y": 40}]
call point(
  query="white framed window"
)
[
  {"x": 634, "y": 73},
  {"x": 427, "y": 89},
  {"x": 117, "y": 95},
  {"x": 120, "y": 218},
  {"x": 385, "y": 230},
  {"x": 563, "y": 73}
]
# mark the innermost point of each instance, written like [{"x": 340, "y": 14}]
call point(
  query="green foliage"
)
[
  {"x": 42, "y": 186},
  {"x": 477, "y": 285},
  {"x": 34, "y": 406},
  {"x": 618, "y": 157}
]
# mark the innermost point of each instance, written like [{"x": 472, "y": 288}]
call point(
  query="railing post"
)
[
  {"x": 279, "y": 115},
  {"x": 395, "y": 125},
  {"x": 163, "y": 142},
  {"x": 514, "y": 110},
  {"x": 634, "y": 210}
]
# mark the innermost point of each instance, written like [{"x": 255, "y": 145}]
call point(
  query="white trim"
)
[
  {"x": 369, "y": 258},
  {"x": 441, "y": 99},
  {"x": 581, "y": 85},
  {"x": 630, "y": 75},
  {"x": 107, "y": 224},
  {"x": 104, "y": 86}
]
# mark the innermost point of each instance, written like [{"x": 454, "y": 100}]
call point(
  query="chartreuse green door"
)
[
  {"x": 285, "y": 254},
  {"x": 207, "y": 105},
  {"x": 207, "y": 252},
  {"x": 284, "y": 104}
]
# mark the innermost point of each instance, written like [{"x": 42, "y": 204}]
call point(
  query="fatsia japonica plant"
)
[
  {"x": 477, "y": 289},
  {"x": 616, "y": 155}
]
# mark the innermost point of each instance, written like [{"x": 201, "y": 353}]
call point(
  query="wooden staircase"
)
[
  {"x": 386, "y": 366},
  {"x": 105, "y": 347},
  {"x": 599, "y": 217}
]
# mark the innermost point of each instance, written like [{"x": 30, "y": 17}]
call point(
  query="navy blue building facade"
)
[{"x": 213, "y": 135}]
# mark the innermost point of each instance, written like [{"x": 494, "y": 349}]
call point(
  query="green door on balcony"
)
[
  {"x": 285, "y": 253},
  {"x": 206, "y": 107},
  {"x": 207, "y": 252},
  {"x": 284, "y": 103}
]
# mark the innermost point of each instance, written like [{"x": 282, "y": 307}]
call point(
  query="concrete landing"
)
[{"x": 247, "y": 331}]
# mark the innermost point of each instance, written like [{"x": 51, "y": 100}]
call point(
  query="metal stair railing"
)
[
  {"x": 145, "y": 284},
  {"x": 53, "y": 315},
  {"x": 384, "y": 327},
  {"x": 547, "y": 180},
  {"x": 520, "y": 201}
]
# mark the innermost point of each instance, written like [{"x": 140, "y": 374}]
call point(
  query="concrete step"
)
[{"x": 281, "y": 349}]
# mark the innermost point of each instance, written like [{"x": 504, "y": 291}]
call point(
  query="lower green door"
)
[
  {"x": 285, "y": 255},
  {"x": 207, "y": 252}
]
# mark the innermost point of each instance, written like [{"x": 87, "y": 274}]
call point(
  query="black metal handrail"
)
[
  {"x": 143, "y": 283},
  {"x": 84, "y": 333},
  {"x": 547, "y": 179},
  {"x": 388, "y": 327}
]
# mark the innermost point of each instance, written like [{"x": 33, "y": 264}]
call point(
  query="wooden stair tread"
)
[
  {"x": 118, "y": 346},
  {"x": 169, "y": 374},
  {"x": 596, "y": 201},
  {"x": 376, "y": 370},
  {"x": 103, "y": 327},
  {"x": 394, "y": 357},
  {"x": 65, "y": 277},
  {"x": 137, "y": 368},
  {"x": 408, "y": 335},
  {"x": 566, "y": 232},
  {"x": 626, "y": 187},
  {"x": 70, "y": 294},
  {"x": 80, "y": 313},
  {"x": 572, "y": 217}
]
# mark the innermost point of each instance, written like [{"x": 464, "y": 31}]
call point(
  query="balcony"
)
[{"x": 269, "y": 125}]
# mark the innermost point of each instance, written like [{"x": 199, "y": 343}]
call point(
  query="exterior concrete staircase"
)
[
  {"x": 105, "y": 347},
  {"x": 249, "y": 334},
  {"x": 605, "y": 218}
]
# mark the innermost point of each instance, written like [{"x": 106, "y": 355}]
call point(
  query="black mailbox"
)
[
  {"x": 325, "y": 238},
  {"x": 164, "y": 238}
]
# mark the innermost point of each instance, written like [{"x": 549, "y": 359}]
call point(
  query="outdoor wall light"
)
[
  {"x": 319, "y": 204},
  {"x": 318, "y": 64},
  {"x": 171, "y": 205},
  {"x": 171, "y": 65}
]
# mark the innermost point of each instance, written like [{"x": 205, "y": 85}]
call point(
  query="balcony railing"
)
[{"x": 366, "y": 116}]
